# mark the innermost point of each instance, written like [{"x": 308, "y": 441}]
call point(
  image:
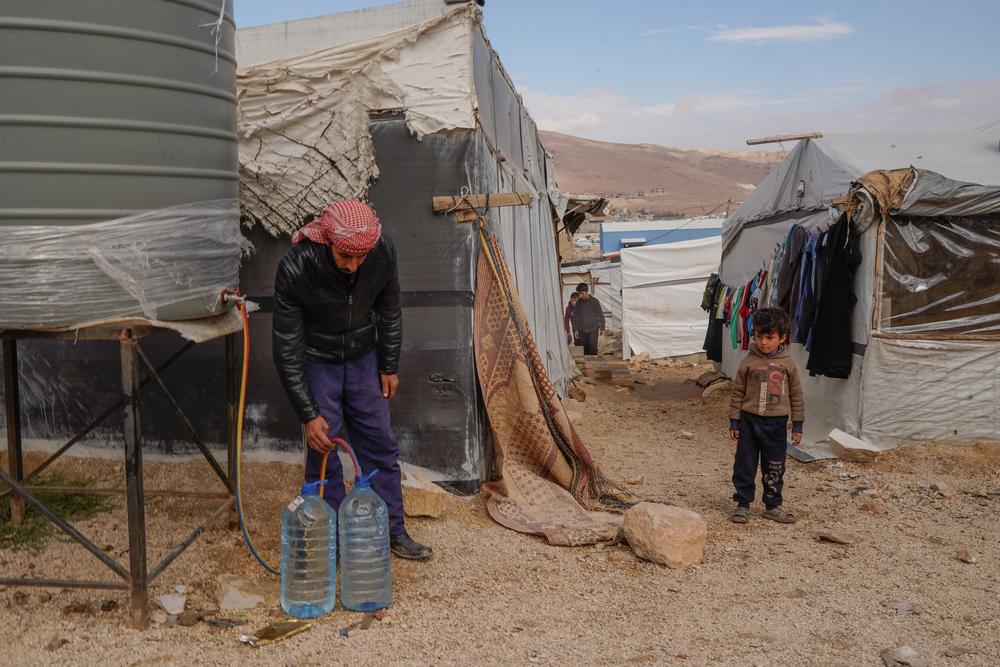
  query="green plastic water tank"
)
[{"x": 110, "y": 108}]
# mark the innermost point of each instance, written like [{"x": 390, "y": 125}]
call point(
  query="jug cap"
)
[
  {"x": 365, "y": 480},
  {"x": 311, "y": 488}
]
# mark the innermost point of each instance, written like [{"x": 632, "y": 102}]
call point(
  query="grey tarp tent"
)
[
  {"x": 399, "y": 103},
  {"x": 926, "y": 326}
]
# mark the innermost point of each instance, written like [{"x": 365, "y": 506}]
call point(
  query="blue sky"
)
[{"x": 710, "y": 74}]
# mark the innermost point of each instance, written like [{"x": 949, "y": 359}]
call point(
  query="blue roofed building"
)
[{"x": 618, "y": 235}]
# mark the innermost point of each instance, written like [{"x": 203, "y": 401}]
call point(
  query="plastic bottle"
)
[
  {"x": 365, "y": 575},
  {"x": 308, "y": 555}
]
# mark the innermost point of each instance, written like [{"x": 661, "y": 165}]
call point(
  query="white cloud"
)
[
  {"x": 821, "y": 31},
  {"x": 657, "y": 31},
  {"x": 724, "y": 120}
]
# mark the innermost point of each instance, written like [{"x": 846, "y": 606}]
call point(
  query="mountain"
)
[{"x": 657, "y": 180}]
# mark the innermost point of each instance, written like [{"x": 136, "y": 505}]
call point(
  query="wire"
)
[
  {"x": 677, "y": 229},
  {"x": 240, "y": 412}
]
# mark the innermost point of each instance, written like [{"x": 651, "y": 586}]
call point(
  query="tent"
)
[
  {"x": 662, "y": 287},
  {"x": 415, "y": 105},
  {"x": 926, "y": 325}
]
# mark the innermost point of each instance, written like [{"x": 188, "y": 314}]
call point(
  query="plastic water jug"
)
[
  {"x": 365, "y": 575},
  {"x": 308, "y": 555}
]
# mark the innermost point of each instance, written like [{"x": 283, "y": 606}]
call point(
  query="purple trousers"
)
[{"x": 349, "y": 397}]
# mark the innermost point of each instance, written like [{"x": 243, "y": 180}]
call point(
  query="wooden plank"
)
[
  {"x": 449, "y": 202},
  {"x": 784, "y": 137}
]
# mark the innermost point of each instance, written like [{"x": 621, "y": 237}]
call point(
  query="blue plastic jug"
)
[
  {"x": 365, "y": 575},
  {"x": 308, "y": 555}
]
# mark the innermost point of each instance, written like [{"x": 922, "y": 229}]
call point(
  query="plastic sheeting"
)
[
  {"x": 941, "y": 275},
  {"x": 950, "y": 395},
  {"x": 828, "y": 166},
  {"x": 303, "y": 120},
  {"x": 662, "y": 287},
  {"x": 169, "y": 264}
]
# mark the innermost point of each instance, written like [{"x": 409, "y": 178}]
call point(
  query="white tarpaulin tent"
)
[
  {"x": 926, "y": 326},
  {"x": 662, "y": 287}
]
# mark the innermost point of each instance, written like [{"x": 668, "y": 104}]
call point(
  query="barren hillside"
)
[{"x": 657, "y": 179}]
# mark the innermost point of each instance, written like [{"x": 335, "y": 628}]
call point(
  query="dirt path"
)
[{"x": 766, "y": 594}]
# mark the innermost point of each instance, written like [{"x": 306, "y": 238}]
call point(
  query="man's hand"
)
[
  {"x": 389, "y": 384},
  {"x": 317, "y": 437},
  {"x": 796, "y": 439},
  {"x": 734, "y": 433}
]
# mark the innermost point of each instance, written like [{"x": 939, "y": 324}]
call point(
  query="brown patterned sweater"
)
[{"x": 768, "y": 386}]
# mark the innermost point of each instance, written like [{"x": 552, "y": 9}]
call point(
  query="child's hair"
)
[
  {"x": 574, "y": 295},
  {"x": 770, "y": 320}
]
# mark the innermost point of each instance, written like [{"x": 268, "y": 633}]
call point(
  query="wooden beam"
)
[
  {"x": 784, "y": 137},
  {"x": 449, "y": 202}
]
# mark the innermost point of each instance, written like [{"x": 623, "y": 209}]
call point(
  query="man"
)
[
  {"x": 336, "y": 340},
  {"x": 588, "y": 319},
  {"x": 572, "y": 338}
]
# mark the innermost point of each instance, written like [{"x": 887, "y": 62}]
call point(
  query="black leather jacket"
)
[{"x": 319, "y": 316}]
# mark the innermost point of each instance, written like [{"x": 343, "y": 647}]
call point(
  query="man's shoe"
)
[{"x": 404, "y": 546}]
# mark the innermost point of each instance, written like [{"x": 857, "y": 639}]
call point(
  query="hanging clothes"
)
[
  {"x": 734, "y": 321},
  {"x": 788, "y": 274},
  {"x": 806, "y": 301},
  {"x": 832, "y": 352},
  {"x": 713, "y": 334}
]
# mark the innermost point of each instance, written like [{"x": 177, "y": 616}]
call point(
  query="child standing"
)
[{"x": 766, "y": 391}]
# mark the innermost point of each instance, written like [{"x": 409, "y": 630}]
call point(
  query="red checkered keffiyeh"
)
[{"x": 350, "y": 225}]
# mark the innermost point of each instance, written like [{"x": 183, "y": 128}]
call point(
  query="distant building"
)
[{"x": 618, "y": 235}]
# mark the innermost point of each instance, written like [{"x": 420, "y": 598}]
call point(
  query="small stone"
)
[
  {"x": 943, "y": 489},
  {"x": 665, "y": 534},
  {"x": 636, "y": 481},
  {"x": 422, "y": 497},
  {"x": 966, "y": 556},
  {"x": 171, "y": 621},
  {"x": 831, "y": 538},
  {"x": 903, "y": 656},
  {"x": 20, "y": 597},
  {"x": 172, "y": 603},
  {"x": 56, "y": 643},
  {"x": 181, "y": 588},
  {"x": 874, "y": 506},
  {"x": 685, "y": 435},
  {"x": 107, "y": 605},
  {"x": 959, "y": 650},
  {"x": 189, "y": 618},
  {"x": 158, "y": 616},
  {"x": 903, "y": 608},
  {"x": 577, "y": 394}
]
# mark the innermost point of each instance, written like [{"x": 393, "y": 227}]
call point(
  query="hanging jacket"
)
[
  {"x": 832, "y": 352},
  {"x": 321, "y": 315}
]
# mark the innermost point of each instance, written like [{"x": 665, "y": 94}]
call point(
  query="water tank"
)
[{"x": 114, "y": 108}]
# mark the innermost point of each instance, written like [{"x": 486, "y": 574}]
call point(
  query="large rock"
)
[
  {"x": 422, "y": 497},
  {"x": 849, "y": 448},
  {"x": 664, "y": 534},
  {"x": 717, "y": 391}
]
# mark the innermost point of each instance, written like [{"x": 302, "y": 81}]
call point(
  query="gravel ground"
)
[{"x": 765, "y": 594}]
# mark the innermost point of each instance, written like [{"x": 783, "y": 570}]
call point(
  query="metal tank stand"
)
[{"x": 137, "y": 371}]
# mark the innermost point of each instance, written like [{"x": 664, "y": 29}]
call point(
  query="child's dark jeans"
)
[{"x": 762, "y": 440}]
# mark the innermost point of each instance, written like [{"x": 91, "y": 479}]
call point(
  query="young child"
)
[{"x": 766, "y": 390}]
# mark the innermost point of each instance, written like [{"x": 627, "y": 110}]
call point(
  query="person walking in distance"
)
[
  {"x": 588, "y": 319},
  {"x": 572, "y": 337}
]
